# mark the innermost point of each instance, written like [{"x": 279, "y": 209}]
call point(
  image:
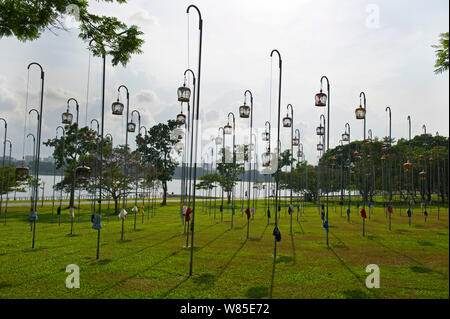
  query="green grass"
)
[{"x": 152, "y": 262}]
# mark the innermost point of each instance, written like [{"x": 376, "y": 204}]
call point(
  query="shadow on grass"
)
[
  {"x": 340, "y": 243},
  {"x": 5, "y": 285},
  {"x": 421, "y": 269},
  {"x": 140, "y": 272},
  {"x": 352, "y": 293},
  {"x": 412, "y": 259},
  {"x": 301, "y": 228},
  {"x": 204, "y": 279},
  {"x": 257, "y": 292},
  {"x": 231, "y": 259}
]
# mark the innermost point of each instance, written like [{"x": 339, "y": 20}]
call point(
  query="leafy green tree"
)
[
  {"x": 71, "y": 151},
  {"x": 115, "y": 183},
  {"x": 27, "y": 19},
  {"x": 442, "y": 55},
  {"x": 10, "y": 183},
  {"x": 229, "y": 171},
  {"x": 156, "y": 149},
  {"x": 208, "y": 181}
]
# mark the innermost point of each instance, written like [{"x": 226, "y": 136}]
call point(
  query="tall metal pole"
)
[
  {"x": 234, "y": 164},
  {"x": 126, "y": 144},
  {"x": 7, "y": 178},
  {"x": 249, "y": 155},
  {"x": 38, "y": 149},
  {"x": 135, "y": 197},
  {"x": 289, "y": 106},
  {"x": 278, "y": 151},
  {"x": 200, "y": 26},
  {"x": 3, "y": 163},
  {"x": 389, "y": 164},
  {"x": 409, "y": 158},
  {"x": 362, "y": 94},
  {"x": 347, "y": 133}
]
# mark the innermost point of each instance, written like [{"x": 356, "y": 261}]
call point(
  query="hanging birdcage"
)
[
  {"x": 227, "y": 129},
  {"x": 177, "y": 134},
  {"x": 407, "y": 166},
  {"x": 181, "y": 119},
  {"x": 420, "y": 157},
  {"x": 117, "y": 107},
  {"x": 355, "y": 153},
  {"x": 244, "y": 111},
  {"x": 184, "y": 93},
  {"x": 334, "y": 159},
  {"x": 219, "y": 140},
  {"x": 266, "y": 159},
  {"x": 22, "y": 173},
  {"x": 321, "y": 99},
  {"x": 131, "y": 127},
  {"x": 360, "y": 113},
  {"x": 383, "y": 157},
  {"x": 287, "y": 121},
  {"x": 67, "y": 118},
  {"x": 299, "y": 153},
  {"x": 320, "y": 147},
  {"x": 295, "y": 141},
  {"x": 179, "y": 146},
  {"x": 83, "y": 173},
  {"x": 91, "y": 134},
  {"x": 423, "y": 175},
  {"x": 345, "y": 137},
  {"x": 431, "y": 160},
  {"x": 320, "y": 130}
]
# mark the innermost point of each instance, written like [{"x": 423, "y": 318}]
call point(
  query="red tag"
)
[
  {"x": 247, "y": 211},
  {"x": 363, "y": 213},
  {"x": 188, "y": 215},
  {"x": 390, "y": 209}
]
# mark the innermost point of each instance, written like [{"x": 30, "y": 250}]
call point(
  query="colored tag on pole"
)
[
  {"x": 277, "y": 233},
  {"x": 92, "y": 217},
  {"x": 122, "y": 213},
  {"x": 325, "y": 225},
  {"x": 97, "y": 222},
  {"x": 425, "y": 213},
  {"x": 409, "y": 212},
  {"x": 390, "y": 209},
  {"x": 322, "y": 215},
  {"x": 188, "y": 214},
  {"x": 33, "y": 216},
  {"x": 290, "y": 209},
  {"x": 348, "y": 212},
  {"x": 363, "y": 213},
  {"x": 247, "y": 212},
  {"x": 268, "y": 212}
]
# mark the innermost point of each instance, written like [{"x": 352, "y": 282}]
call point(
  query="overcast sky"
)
[{"x": 380, "y": 47}]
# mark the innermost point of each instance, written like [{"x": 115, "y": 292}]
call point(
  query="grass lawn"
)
[{"x": 152, "y": 262}]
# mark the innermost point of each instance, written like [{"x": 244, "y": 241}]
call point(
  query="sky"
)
[{"x": 382, "y": 48}]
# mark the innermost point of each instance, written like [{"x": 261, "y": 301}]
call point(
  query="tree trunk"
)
[
  {"x": 164, "y": 185},
  {"x": 116, "y": 204}
]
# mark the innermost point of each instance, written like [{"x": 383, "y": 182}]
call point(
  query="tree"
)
[
  {"x": 10, "y": 183},
  {"x": 115, "y": 183},
  {"x": 156, "y": 149},
  {"x": 229, "y": 172},
  {"x": 27, "y": 19},
  {"x": 208, "y": 181},
  {"x": 442, "y": 55},
  {"x": 71, "y": 151}
]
